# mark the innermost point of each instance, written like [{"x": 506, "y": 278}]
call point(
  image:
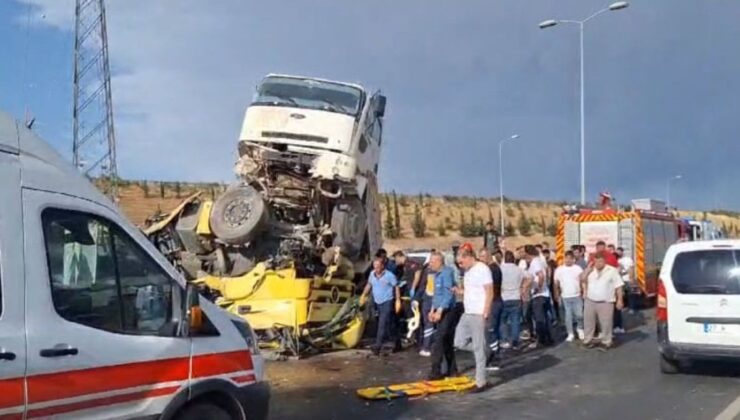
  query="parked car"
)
[{"x": 698, "y": 310}]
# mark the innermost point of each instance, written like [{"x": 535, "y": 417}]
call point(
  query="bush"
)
[
  {"x": 524, "y": 225},
  {"x": 510, "y": 212},
  {"x": 509, "y": 229},
  {"x": 441, "y": 230}
]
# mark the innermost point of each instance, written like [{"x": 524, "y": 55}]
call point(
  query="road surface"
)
[{"x": 563, "y": 382}]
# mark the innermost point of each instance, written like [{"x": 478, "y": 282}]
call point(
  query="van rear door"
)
[
  {"x": 12, "y": 322},
  {"x": 703, "y": 295}
]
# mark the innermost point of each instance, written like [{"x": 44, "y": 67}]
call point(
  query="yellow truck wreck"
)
[{"x": 286, "y": 245}]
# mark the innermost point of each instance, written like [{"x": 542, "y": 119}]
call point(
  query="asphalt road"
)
[{"x": 563, "y": 382}]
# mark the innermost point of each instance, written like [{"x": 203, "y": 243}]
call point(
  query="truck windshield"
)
[
  {"x": 707, "y": 272},
  {"x": 310, "y": 94}
]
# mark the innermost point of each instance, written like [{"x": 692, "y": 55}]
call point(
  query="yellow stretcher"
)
[{"x": 416, "y": 389}]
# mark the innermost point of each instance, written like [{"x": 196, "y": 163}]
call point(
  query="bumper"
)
[
  {"x": 255, "y": 400},
  {"x": 680, "y": 351}
]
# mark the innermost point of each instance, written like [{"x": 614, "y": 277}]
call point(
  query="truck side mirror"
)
[
  {"x": 380, "y": 107},
  {"x": 193, "y": 311}
]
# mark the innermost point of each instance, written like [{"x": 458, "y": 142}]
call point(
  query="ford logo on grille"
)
[{"x": 297, "y": 116}]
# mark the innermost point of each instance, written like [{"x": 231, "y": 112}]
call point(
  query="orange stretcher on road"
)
[{"x": 416, "y": 389}]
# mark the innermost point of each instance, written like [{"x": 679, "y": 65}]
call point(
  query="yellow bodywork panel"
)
[
  {"x": 269, "y": 298},
  {"x": 204, "y": 215}
]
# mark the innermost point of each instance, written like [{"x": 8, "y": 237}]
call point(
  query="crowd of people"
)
[{"x": 495, "y": 300}]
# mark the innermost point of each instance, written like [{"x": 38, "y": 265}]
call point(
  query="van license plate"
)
[{"x": 716, "y": 328}]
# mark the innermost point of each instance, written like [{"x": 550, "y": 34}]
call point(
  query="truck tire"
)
[
  {"x": 203, "y": 411},
  {"x": 238, "y": 215},
  {"x": 348, "y": 223},
  {"x": 669, "y": 366}
]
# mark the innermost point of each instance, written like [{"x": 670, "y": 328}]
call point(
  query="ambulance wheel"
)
[
  {"x": 204, "y": 411},
  {"x": 238, "y": 215}
]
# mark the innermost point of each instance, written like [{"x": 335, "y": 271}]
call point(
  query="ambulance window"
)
[{"x": 100, "y": 278}]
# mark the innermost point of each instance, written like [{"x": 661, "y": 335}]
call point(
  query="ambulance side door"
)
[
  {"x": 12, "y": 322},
  {"x": 103, "y": 339}
]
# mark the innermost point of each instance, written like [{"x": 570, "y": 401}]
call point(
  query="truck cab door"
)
[
  {"x": 12, "y": 305},
  {"x": 103, "y": 339}
]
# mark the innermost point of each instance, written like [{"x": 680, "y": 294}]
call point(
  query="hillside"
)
[{"x": 447, "y": 218}]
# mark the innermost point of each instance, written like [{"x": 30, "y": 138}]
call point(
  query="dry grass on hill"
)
[{"x": 142, "y": 199}]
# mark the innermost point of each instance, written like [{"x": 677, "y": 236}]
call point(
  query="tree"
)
[
  {"x": 552, "y": 229},
  {"x": 524, "y": 225},
  {"x": 177, "y": 189},
  {"x": 403, "y": 201},
  {"x": 490, "y": 215},
  {"x": 389, "y": 226},
  {"x": 161, "y": 189},
  {"x": 543, "y": 225},
  {"x": 463, "y": 225},
  {"x": 145, "y": 188},
  {"x": 396, "y": 216},
  {"x": 417, "y": 224},
  {"x": 441, "y": 229},
  {"x": 509, "y": 229}
]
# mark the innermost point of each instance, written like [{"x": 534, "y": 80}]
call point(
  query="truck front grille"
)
[{"x": 292, "y": 136}]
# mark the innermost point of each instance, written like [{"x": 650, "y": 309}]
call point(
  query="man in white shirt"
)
[
  {"x": 568, "y": 285},
  {"x": 540, "y": 295},
  {"x": 603, "y": 290},
  {"x": 477, "y": 298}
]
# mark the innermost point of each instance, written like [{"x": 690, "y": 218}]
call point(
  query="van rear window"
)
[{"x": 714, "y": 272}]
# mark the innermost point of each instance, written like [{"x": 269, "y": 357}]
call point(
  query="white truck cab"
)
[{"x": 94, "y": 322}]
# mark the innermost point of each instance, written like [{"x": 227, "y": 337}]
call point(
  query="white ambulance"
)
[{"x": 94, "y": 322}]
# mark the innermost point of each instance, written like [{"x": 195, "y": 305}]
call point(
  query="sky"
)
[{"x": 662, "y": 88}]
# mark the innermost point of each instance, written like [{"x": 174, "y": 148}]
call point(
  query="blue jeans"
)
[
  {"x": 386, "y": 324},
  {"x": 494, "y": 325},
  {"x": 511, "y": 315},
  {"x": 427, "y": 325},
  {"x": 573, "y": 313}
]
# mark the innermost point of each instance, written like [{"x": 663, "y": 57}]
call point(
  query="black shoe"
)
[
  {"x": 605, "y": 347},
  {"x": 435, "y": 377},
  {"x": 588, "y": 346},
  {"x": 479, "y": 389},
  {"x": 397, "y": 348},
  {"x": 375, "y": 351}
]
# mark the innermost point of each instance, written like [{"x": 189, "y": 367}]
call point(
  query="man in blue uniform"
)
[{"x": 387, "y": 297}]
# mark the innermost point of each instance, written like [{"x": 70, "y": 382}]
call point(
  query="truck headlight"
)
[{"x": 250, "y": 338}]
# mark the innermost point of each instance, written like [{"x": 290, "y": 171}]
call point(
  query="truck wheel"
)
[
  {"x": 348, "y": 223},
  {"x": 238, "y": 214},
  {"x": 204, "y": 411},
  {"x": 668, "y": 366}
]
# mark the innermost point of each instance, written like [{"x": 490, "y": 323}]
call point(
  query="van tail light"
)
[{"x": 661, "y": 313}]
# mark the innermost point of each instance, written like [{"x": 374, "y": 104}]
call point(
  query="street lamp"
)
[
  {"x": 549, "y": 24},
  {"x": 501, "y": 177},
  {"x": 668, "y": 190}
]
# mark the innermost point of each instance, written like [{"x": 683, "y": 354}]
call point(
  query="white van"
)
[
  {"x": 94, "y": 322},
  {"x": 698, "y": 312}
]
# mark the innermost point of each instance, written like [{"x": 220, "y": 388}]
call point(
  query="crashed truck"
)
[{"x": 286, "y": 245}]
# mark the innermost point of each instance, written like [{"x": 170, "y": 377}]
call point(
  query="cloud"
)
[{"x": 459, "y": 78}]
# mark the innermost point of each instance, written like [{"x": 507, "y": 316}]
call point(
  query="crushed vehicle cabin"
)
[{"x": 285, "y": 245}]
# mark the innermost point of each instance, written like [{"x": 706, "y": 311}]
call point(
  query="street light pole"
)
[
  {"x": 668, "y": 190},
  {"x": 581, "y": 25},
  {"x": 583, "y": 123},
  {"x": 501, "y": 177}
]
